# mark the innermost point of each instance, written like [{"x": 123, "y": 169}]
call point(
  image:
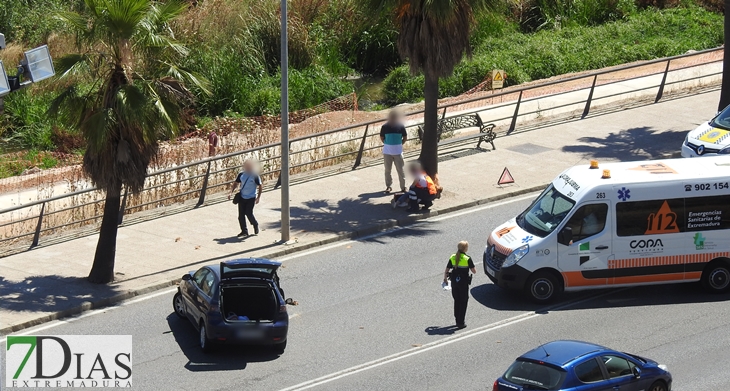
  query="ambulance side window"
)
[{"x": 588, "y": 220}]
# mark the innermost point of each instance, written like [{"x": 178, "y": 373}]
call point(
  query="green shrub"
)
[
  {"x": 646, "y": 35},
  {"x": 534, "y": 15},
  {"x": 372, "y": 49},
  {"x": 400, "y": 86},
  {"x": 26, "y": 123},
  {"x": 31, "y": 21}
]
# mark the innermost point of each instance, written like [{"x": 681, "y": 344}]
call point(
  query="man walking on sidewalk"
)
[
  {"x": 248, "y": 188},
  {"x": 393, "y": 134}
]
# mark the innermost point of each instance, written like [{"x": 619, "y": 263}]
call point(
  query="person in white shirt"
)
[
  {"x": 393, "y": 134},
  {"x": 248, "y": 184}
]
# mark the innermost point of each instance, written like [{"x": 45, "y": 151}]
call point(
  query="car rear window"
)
[{"x": 535, "y": 375}]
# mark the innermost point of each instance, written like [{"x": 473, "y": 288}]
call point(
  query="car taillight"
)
[{"x": 495, "y": 387}]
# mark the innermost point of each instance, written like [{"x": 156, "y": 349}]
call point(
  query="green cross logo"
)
[{"x": 699, "y": 241}]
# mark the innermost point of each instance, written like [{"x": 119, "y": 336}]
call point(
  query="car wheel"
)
[
  {"x": 542, "y": 287},
  {"x": 280, "y": 347},
  {"x": 178, "y": 305},
  {"x": 716, "y": 277},
  {"x": 658, "y": 386},
  {"x": 204, "y": 341}
]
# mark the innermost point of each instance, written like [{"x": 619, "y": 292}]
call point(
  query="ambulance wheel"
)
[
  {"x": 542, "y": 287},
  {"x": 716, "y": 277}
]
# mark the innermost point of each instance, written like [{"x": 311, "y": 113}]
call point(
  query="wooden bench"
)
[{"x": 473, "y": 120}]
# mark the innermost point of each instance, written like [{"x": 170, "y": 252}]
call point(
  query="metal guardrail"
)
[{"x": 218, "y": 171}]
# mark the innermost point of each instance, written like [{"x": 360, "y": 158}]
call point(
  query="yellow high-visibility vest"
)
[{"x": 463, "y": 262}]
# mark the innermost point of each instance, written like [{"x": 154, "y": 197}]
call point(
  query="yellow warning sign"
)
[
  {"x": 655, "y": 168},
  {"x": 662, "y": 222},
  {"x": 497, "y": 79},
  {"x": 715, "y": 135}
]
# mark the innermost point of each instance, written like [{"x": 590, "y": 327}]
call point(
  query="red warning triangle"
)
[{"x": 505, "y": 178}]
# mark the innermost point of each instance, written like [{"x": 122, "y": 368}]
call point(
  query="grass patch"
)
[
  {"x": 646, "y": 35},
  {"x": 13, "y": 164}
]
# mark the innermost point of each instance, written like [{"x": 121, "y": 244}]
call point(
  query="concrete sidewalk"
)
[{"x": 48, "y": 282}]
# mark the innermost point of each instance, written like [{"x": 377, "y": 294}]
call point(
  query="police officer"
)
[{"x": 457, "y": 270}]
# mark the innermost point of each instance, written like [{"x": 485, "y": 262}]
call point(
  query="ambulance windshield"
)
[{"x": 545, "y": 214}]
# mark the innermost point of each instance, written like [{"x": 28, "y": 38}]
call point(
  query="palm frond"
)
[
  {"x": 73, "y": 65},
  {"x": 137, "y": 93},
  {"x": 130, "y": 105},
  {"x": 123, "y": 17},
  {"x": 73, "y": 20},
  {"x": 97, "y": 129},
  {"x": 191, "y": 78}
]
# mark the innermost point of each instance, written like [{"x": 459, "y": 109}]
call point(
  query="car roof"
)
[
  {"x": 560, "y": 353},
  {"x": 242, "y": 261}
]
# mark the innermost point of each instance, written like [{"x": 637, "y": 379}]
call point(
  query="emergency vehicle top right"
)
[{"x": 712, "y": 138}]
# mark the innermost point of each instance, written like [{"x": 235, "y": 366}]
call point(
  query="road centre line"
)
[
  {"x": 153, "y": 295},
  {"x": 439, "y": 343}
]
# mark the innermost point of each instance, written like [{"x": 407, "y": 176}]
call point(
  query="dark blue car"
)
[
  {"x": 583, "y": 366},
  {"x": 239, "y": 301}
]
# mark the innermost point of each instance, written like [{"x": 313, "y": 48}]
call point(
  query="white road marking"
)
[
  {"x": 438, "y": 344},
  {"x": 59, "y": 322},
  {"x": 395, "y": 229},
  {"x": 484, "y": 207}
]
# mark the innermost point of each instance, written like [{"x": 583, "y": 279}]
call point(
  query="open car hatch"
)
[{"x": 249, "y": 267}]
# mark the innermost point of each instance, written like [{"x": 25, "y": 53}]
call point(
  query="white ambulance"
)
[{"x": 623, "y": 224}]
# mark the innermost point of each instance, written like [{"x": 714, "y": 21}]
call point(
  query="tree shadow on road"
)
[
  {"x": 343, "y": 216},
  {"x": 51, "y": 293},
  {"x": 631, "y": 144},
  {"x": 223, "y": 357},
  {"x": 403, "y": 232}
]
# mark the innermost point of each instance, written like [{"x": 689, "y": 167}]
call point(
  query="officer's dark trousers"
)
[
  {"x": 460, "y": 292},
  {"x": 245, "y": 210}
]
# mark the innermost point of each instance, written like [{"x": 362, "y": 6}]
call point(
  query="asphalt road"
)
[{"x": 372, "y": 316}]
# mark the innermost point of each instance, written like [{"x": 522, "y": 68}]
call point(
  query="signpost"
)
[
  {"x": 284, "y": 128},
  {"x": 498, "y": 77}
]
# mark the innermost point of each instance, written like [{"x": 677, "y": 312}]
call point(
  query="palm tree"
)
[
  {"x": 125, "y": 92},
  {"x": 433, "y": 37}
]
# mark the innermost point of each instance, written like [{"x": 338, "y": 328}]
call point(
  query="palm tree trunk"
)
[
  {"x": 725, "y": 90},
  {"x": 102, "y": 271},
  {"x": 429, "y": 146}
]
